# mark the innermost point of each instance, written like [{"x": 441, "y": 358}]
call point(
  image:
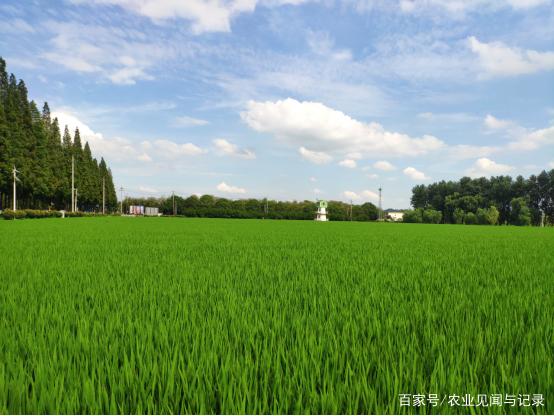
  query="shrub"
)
[
  {"x": 10, "y": 214},
  {"x": 458, "y": 216},
  {"x": 431, "y": 216},
  {"x": 520, "y": 213},
  {"x": 413, "y": 216},
  {"x": 470, "y": 218}
]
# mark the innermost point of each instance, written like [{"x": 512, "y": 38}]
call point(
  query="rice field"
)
[{"x": 172, "y": 315}]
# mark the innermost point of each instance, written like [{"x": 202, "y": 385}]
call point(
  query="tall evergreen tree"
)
[{"x": 31, "y": 141}]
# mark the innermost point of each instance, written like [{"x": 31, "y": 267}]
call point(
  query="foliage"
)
[
  {"x": 209, "y": 206},
  {"x": 413, "y": 216},
  {"x": 520, "y": 213},
  {"x": 31, "y": 141},
  {"x": 205, "y": 316},
  {"x": 470, "y": 218},
  {"x": 431, "y": 216},
  {"x": 487, "y": 216},
  {"x": 469, "y": 195},
  {"x": 458, "y": 216}
]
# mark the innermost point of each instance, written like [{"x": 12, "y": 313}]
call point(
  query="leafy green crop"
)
[{"x": 169, "y": 315}]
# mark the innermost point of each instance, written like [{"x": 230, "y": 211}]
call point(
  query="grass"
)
[{"x": 161, "y": 315}]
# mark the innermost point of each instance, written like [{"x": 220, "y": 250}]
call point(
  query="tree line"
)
[
  {"x": 31, "y": 141},
  {"x": 214, "y": 207},
  {"x": 495, "y": 200}
]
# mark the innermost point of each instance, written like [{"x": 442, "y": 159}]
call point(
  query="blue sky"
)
[{"x": 294, "y": 99}]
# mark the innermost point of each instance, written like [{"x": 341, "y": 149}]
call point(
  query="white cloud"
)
[
  {"x": 313, "y": 179},
  {"x": 317, "y": 191},
  {"x": 223, "y": 187},
  {"x": 533, "y": 140},
  {"x": 487, "y": 167},
  {"x": 147, "y": 190},
  {"x": 384, "y": 165},
  {"x": 205, "y": 16},
  {"x": 16, "y": 26},
  {"x": 348, "y": 163},
  {"x": 186, "y": 121},
  {"x": 414, "y": 174},
  {"x": 114, "y": 54},
  {"x": 351, "y": 195},
  {"x": 494, "y": 123},
  {"x": 120, "y": 149},
  {"x": 551, "y": 165},
  {"x": 169, "y": 150},
  {"x": 448, "y": 117},
  {"x": 363, "y": 195},
  {"x": 370, "y": 195},
  {"x": 322, "y": 44},
  {"x": 319, "y": 158},
  {"x": 460, "y": 8},
  {"x": 498, "y": 59},
  {"x": 224, "y": 147},
  {"x": 372, "y": 175},
  {"x": 319, "y": 128},
  {"x": 466, "y": 151}
]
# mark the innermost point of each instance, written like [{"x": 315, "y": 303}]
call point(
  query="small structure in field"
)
[
  {"x": 395, "y": 216},
  {"x": 151, "y": 211},
  {"x": 321, "y": 214}
]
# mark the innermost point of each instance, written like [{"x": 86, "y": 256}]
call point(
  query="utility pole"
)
[
  {"x": 73, "y": 184},
  {"x": 76, "y": 193},
  {"x": 350, "y": 210},
  {"x": 103, "y": 195},
  {"x": 380, "y": 206},
  {"x": 266, "y": 207},
  {"x": 15, "y": 179},
  {"x": 121, "y": 190}
]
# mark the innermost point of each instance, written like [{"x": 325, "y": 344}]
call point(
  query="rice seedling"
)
[{"x": 163, "y": 315}]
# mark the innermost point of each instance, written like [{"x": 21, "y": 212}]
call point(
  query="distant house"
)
[{"x": 395, "y": 215}]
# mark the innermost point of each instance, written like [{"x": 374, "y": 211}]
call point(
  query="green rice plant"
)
[{"x": 172, "y": 315}]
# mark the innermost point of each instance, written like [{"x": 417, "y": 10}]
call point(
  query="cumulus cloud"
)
[
  {"x": 351, "y": 195},
  {"x": 493, "y": 123},
  {"x": 225, "y": 147},
  {"x": 363, "y": 195},
  {"x": 414, "y": 174},
  {"x": 498, "y": 59},
  {"x": 533, "y": 140},
  {"x": 487, "y": 167},
  {"x": 120, "y": 149},
  {"x": 223, "y": 187},
  {"x": 322, "y": 129},
  {"x": 348, "y": 163},
  {"x": 372, "y": 175},
  {"x": 384, "y": 165},
  {"x": 551, "y": 165},
  {"x": 319, "y": 158}
]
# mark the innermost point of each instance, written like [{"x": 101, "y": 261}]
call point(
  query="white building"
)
[
  {"x": 321, "y": 214},
  {"x": 395, "y": 216}
]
